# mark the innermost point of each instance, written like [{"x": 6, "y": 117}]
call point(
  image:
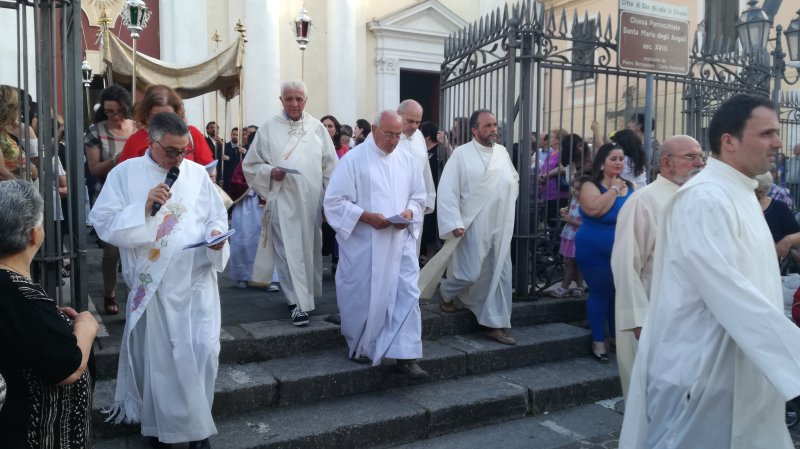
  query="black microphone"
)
[{"x": 171, "y": 177}]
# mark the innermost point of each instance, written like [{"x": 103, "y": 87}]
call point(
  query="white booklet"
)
[
  {"x": 211, "y": 241},
  {"x": 397, "y": 219},
  {"x": 291, "y": 171}
]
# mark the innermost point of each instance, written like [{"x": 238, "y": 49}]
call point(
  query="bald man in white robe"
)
[
  {"x": 376, "y": 283},
  {"x": 635, "y": 241}
]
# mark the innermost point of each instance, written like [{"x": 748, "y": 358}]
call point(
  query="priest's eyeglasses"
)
[
  {"x": 690, "y": 157},
  {"x": 174, "y": 153},
  {"x": 391, "y": 136}
]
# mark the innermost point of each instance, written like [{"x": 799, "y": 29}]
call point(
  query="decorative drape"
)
[{"x": 218, "y": 73}]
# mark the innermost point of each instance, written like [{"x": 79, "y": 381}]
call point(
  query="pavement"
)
[{"x": 592, "y": 426}]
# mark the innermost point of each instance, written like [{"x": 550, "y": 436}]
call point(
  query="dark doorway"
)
[{"x": 423, "y": 87}]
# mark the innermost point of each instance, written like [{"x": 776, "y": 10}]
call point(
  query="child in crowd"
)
[{"x": 571, "y": 219}]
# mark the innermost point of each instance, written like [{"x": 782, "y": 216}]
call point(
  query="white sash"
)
[
  {"x": 150, "y": 270},
  {"x": 264, "y": 263},
  {"x": 431, "y": 274}
]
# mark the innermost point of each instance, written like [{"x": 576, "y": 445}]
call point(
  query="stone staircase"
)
[{"x": 285, "y": 387}]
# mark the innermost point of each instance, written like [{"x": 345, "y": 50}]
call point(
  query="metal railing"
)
[
  {"x": 541, "y": 70},
  {"x": 49, "y": 39}
]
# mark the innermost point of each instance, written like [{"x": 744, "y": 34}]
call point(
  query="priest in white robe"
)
[
  {"x": 413, "y": 142},
  {"x": 289, "y": 164},
  {"x": 376, "y": 283},
  {"x": 476, "y": 205},
  {"x": 169, "y": 354},
  {"x": 717, "y": 358},
  {"x": 635, "y": 240}
]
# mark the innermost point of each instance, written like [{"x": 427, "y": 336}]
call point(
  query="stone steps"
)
[
  {"x": 328, "y": 374},
  {"x": 415, "y": 412},
  {"x": 281, "y": 386},
  {"x": 267, "y": 340}
]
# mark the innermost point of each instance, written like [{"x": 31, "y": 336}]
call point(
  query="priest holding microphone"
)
[{"x": 152, "y": 207}]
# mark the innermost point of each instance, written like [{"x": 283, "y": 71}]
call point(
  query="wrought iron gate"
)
[
  {"x": 542, "y": 71},
  {"x": 48, "y": 38}
]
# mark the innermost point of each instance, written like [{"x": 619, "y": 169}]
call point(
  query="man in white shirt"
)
[
  {"x": 717, "y": 358},
  {"x": 635, "y": 240}
]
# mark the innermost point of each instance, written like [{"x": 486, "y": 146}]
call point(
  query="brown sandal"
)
[{"x": 110, "y": 304}]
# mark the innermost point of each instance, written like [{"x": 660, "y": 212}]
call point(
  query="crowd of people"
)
[
  {"x": 156, "y": 185},
  {"x": 681, "y": 273}
]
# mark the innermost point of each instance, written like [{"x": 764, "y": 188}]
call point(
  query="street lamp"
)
[
  {"x": 753, "y": 30},
  {"x": 302, "y": 29},
  {"x": 135, "y": 17},
  {"x": 86, "y": 74},
  {"x": 753, "y": 27},
  {"x": 792, "y": 34}
]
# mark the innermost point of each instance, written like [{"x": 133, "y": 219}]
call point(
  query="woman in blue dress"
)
[{"x": 600, "y": 202}]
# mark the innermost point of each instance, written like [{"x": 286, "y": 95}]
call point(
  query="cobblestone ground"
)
[{"x": 611, "y": 440}]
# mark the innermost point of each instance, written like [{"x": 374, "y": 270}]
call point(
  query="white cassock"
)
[
  {"x": 717, "y": 358},
  {"x": 246, "y": 217},
  {"x": 376, "y": 281},
  {"x": 477, "y": 191},
  {"x": 632, "y": 265},
  {"x": 169, "y": 355},
  {"x": 291, "y": 238},
  {"x": 416, "y": 146}
]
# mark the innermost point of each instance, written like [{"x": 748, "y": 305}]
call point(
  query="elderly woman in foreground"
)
[{"x": 44, "y": 350}]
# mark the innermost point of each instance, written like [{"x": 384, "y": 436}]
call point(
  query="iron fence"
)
[
  {"x": 544, "y": 72},
  {"x": 48, "y": 37}
]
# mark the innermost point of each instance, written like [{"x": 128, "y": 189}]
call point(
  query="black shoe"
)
[
  {"x": 362, "y": 359},
  {"x": 298, "y": 317},
  {"x": 602, "y": 358},
  {"x": 202, "y": 444},
  {"x": 156, "y": 444},
  {"x": 412, "y": 369}
]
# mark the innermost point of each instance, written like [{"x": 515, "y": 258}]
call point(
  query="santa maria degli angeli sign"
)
[{"x": 653, "y": 37}]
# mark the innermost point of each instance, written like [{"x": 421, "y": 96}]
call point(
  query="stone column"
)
[
  {"x": 341, "y": 45},
  {"x": 262, "y": 77},
  {"x": 184, "y": 41},
  {"x": 388, "y": 71}
]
